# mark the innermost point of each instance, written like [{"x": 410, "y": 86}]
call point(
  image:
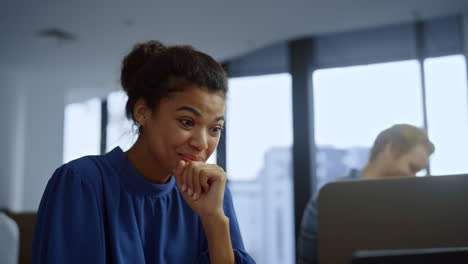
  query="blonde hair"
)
[{"x": 403, "y": 138}]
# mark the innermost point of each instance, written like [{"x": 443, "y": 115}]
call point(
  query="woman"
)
[{"x": 158, "y": 202}]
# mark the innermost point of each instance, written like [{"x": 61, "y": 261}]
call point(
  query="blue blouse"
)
[{"x": 98, "y": 209}]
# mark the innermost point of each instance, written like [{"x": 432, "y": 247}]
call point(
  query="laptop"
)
[
  {"x": 392, "y": 214},
  {"x": 458, "y": 255}
]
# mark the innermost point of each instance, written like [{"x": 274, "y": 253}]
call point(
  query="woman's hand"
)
[{"x": 202, "y": 186}]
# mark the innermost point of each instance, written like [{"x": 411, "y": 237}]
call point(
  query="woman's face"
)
[{"x": 187, "y": 125}]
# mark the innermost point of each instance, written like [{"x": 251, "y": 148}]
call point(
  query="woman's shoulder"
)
[{"x": 88, "y": 169}]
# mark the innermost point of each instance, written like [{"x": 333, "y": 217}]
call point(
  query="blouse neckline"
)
[{"x": 132, "y": 180}]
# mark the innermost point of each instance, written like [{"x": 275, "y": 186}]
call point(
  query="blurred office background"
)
[{"x": 311, "y": 85}]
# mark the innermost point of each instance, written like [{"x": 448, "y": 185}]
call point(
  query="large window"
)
[
  {"x": 120, "y": 131},
  {"x": 447, "y": 102},
  {"x": 353, "y": 104},
  {"x": 82, "y": 129},
  {"x": 259, "y": 140}
]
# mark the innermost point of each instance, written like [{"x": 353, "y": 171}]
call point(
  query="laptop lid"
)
[{"x": 394, "y": 213}]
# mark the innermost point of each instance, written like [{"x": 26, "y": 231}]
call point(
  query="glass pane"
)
[
  {"x": 120, "y": 131},
  {"x": 259, "y": 140},
  {"x": 257, "y": 123},
  {"x": 446, "y": 91},
  {"x": 354, "y": 104},
  {"x": 82, "y": 129}
]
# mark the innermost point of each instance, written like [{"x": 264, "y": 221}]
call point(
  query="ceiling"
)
[{"x": 99, "y": 33}]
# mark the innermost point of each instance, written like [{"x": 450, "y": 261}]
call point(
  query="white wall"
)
[
  {"x": 31, "y": 110},
  {"x": 10, "y": 112}
]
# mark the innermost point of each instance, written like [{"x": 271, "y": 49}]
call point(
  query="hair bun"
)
[{"x": 136, "y": 59}]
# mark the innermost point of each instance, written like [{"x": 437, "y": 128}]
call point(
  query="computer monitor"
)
[{"x": 394, "y": 213}]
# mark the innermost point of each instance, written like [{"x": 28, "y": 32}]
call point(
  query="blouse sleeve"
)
[
  {"x": 242, "y": 257},
  {"x": 69, "y": 225}
]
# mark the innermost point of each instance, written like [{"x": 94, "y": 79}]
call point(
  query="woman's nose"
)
[{"x": 199, "y": 140}]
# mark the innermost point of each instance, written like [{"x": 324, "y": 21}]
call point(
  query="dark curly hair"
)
[{"x": 153, "y": 71}]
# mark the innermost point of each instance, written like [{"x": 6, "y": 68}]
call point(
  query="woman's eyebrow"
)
[
  {"x": 197, "y": 113},
  {"x": 190, "y": 109}
]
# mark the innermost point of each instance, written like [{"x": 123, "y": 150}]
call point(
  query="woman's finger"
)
[
  {"x": 203, "y": 177},
  {"x": 197, "y": 188},
  {"x": 178, "y": 172},
  {"x": 185, "y": 178}
]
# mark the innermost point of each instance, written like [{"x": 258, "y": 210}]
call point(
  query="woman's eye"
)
[
  {"x": 216, "y": 130},
  {"x": 186, "y": 122}
]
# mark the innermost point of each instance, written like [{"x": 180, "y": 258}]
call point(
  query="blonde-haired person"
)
[
  {"x": 399, "y": 151},
  {"x": 159, "y": 202}
]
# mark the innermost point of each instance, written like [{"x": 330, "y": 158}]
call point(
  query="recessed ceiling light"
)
[{"x": 58, "y": 34}]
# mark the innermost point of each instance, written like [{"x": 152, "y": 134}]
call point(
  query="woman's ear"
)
[{"x": 141, "y": 112}]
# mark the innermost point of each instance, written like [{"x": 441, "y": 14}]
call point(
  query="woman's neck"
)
[{"x": 140, "y": 157}]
